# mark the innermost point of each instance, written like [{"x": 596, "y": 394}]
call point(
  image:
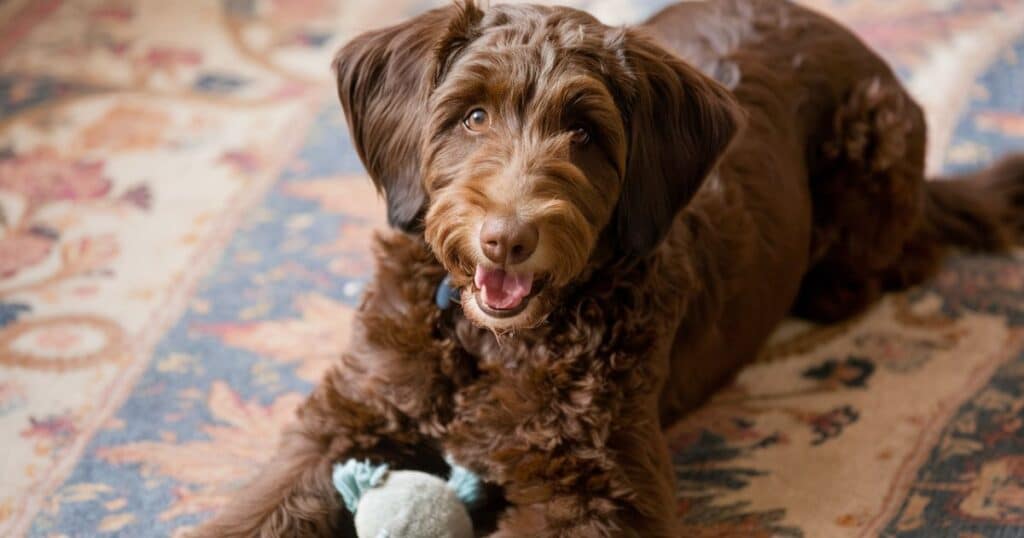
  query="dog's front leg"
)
[
  {"x": 627, "y": 489},
  {"x": 561, "y": 517},
  {"x": 293, "y": 495}
]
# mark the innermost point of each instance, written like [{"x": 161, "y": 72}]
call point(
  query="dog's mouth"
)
[{"x": 503, "y": 294}]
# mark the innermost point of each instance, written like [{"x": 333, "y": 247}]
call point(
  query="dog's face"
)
[
  {"x": 519, "y": 139},
  {"x": 523, "y": 164}
]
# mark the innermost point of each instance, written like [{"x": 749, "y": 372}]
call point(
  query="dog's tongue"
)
[{"x": 501, "y": 290}]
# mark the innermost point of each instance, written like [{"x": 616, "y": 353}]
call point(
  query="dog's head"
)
[{"x": 522, "y": 140}]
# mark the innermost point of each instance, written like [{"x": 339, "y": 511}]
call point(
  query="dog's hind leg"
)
[
  {"x": 879, "y": 225},
  {"x": 868, "y": 191}
]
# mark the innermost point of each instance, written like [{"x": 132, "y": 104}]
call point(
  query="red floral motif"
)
[
  {"x": 112, "y": 13},
  {"x": 138, "y": 196},
  {"x": 243, "y": 161},
  {"x": 20, "y": 251},
  {"x": 56, "y": 428},
  {"x": 171, "y": 57},
  {"x": 296, "y": 12},
  {"x": 42, "y": 176}
]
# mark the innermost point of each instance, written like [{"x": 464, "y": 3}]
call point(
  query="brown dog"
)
[{"x": 628, "y": 214}]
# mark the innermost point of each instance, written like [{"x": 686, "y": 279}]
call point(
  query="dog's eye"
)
[
  {"x": 477, "y": 120},
  {"x": 580, "y": 134}
]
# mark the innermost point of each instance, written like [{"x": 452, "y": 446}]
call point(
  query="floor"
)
[{"x": 183, "y": 236}]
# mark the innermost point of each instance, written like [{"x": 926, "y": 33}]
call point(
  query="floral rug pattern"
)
[{"x": 184, "y": 231}]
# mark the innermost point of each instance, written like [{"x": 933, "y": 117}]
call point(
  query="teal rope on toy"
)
[
  {"x": 355, "y": 477},
  {"x": 467, "y": 485}
]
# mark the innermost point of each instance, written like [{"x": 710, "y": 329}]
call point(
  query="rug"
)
[{"x": 184, "y": 234}]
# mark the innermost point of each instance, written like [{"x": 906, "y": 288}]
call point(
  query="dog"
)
[{"x": 626, "y": 214}]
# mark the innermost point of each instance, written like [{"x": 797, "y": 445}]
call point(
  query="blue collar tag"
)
[{"x": 446, "y": 294}]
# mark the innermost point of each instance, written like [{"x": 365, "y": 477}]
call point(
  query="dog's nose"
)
[{"x": 507, "y": 241}]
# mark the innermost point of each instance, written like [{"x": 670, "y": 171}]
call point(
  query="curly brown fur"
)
[{"x": 661, "y": 264}]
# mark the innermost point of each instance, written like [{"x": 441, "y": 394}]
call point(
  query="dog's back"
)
[{"x": 828, "y": 176}]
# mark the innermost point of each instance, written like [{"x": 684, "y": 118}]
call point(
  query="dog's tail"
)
[{"x": 982, "y": 212}]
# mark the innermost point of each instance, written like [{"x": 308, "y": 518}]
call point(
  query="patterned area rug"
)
[{"x": 183, "y": 236}]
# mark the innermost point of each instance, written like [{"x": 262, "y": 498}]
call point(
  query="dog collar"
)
[{"x": 446, "y": 294}]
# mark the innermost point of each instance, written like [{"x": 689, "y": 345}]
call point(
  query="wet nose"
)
[{"x": 507, "y": 241}]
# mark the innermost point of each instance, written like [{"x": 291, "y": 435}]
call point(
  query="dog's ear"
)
[
  {"x": 384, "y": 80},
  {"x": 679, "y": 123}
]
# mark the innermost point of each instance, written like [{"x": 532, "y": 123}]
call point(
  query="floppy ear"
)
[
  {"x": 384, "y": 80},
  {"x": 680, "y": 122}
]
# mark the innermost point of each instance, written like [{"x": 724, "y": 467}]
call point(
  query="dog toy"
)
[{"x": 407, "y": 504}]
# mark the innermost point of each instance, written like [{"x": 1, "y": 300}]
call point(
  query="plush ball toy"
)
[{"x": 407, "y": 504}]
